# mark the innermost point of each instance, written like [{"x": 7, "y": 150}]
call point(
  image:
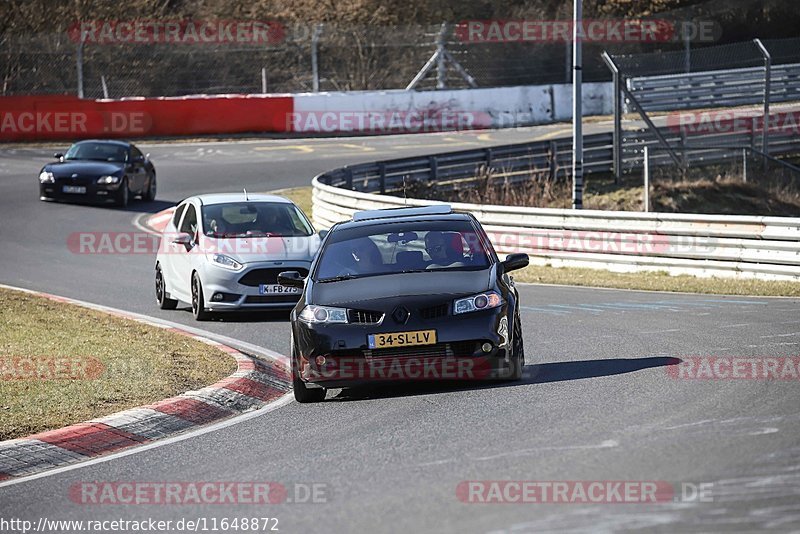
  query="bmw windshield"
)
[
  {"x": 98, "y": 152},
  {"x": 392, "y": 248},
  {"x": 254, "y": 219}
]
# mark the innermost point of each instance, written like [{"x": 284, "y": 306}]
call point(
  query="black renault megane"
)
[
  {"x": 99, "y": 171},
  {"x": 405, "y": 294}
]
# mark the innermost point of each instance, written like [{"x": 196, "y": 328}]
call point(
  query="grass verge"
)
[
  {"x": 62, "y": 364},
  {"x": 299, "y": 195},
  {"x": 655, "y": 281}
]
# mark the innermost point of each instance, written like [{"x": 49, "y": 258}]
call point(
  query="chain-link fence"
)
[
  {"x": 710, "y": 58},
  {"x": 306, "y": 58}
]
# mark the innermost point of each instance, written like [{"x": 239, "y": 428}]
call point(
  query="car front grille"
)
[
  {"x": 270, "y": 299},
  {"x": 434, "y": 312},
  {"x": 440, "y": 350},
  {"x": 257, "y": 277},
  {"x": 364, "y": 317}
]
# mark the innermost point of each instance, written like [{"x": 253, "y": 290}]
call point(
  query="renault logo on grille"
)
[{"x": 400, "y": 314}]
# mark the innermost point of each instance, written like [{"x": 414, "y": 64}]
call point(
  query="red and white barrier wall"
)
[{"x": 34, "y": 118}]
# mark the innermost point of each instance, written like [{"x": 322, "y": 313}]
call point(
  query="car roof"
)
[
  {"x": 224, "y": 198},
  {"x": 107, "y": 141},
  {"x": 414, "y": 217}
]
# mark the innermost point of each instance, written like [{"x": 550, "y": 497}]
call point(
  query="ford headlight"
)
[
  {"x": 46, "y": 178},
  {"x": 323, "y": 314},
  {"x": 226, "y": 261},
  {"x": 482, "y": 301},
  {"x": 108, "y": 180}
]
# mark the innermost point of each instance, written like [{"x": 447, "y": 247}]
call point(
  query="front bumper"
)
[
  {"x": 459, "y": 353},
  {"x": 95, "y": 193},
  {"x": 242, "y": 297}
]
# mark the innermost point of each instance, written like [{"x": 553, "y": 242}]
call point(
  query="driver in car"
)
[{"x": 441, "y": 250}]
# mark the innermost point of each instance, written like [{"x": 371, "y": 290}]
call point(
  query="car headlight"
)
[
  {"x": 323, "y": 314},
  {"x": 46, "y": 178},
  {"x": 226, "y": 261},
  {"x": 108, "y": 180},
  {"x": 482, "y": 301}
]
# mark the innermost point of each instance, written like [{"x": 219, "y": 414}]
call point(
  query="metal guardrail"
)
[
  {"x": 719, "y": 88},
  {"x": 703, "y": 245}
]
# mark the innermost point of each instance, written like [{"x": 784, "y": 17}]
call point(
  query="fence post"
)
[
  {"x": 646, "y": 178},
  {"x": 79, "y": 65},
  {"x": 314, "y": 57},
  {"x": 687, "y": 46},
  {"x": 263, "y": 80},
  {"x": 744, "y": 165},
  {"x": 616, "y": 90},
  {"x": 767, "y": 90},
  {"x": 441, "y": 65},
  {"x": 105, "y": 86}
]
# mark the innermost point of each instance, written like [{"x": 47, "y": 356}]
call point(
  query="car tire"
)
[
  {"x": 152, "y": 186},
  {"x": 198, "y": 301},
  {"x": 302, "y": 393},
  {"x": 164, "y": 302},
  {"x": 124, "y": 195},
  {"x": 518, "y": 351}
]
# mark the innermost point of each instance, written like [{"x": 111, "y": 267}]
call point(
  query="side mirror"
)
[
  {"x": 58, "y": 156},
  {"x": 147, "y": 157},
  {"x": 291, "y": 279},
  {"x": 322, "y": 233},
  {"x": 183, "y": 239},
  {"x": 514, "y": 262}
]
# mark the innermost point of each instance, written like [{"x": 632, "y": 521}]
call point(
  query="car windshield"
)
[
  {"x": 254, "y": 219},
  {"x": 392, "y": 248},
  {"x": 98, "y": 152}
]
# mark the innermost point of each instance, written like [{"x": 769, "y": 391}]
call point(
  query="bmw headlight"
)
[
  {"x": 46, "y": 178},
  {"x": 108, "y": 180},
  {"x": 323, "y": 314},
  {"x": 482, "y": 301},
  {"x": 225, "y": 261}
]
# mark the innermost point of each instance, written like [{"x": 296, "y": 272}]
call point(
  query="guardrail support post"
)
[
  {"x": 744, "y": 165},
  {"x": 434, "y": 164},
  {"x": 553, "y": 160},
  {"x": 489, "y": 154},
  {"x": 767, "y": 90},
  {"x": 646, "y": 163},
  {"x": 382, "y": 171},
  {"x": 348, "y": 178}
]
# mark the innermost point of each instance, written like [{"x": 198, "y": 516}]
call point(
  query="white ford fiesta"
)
[{"x": 223, "y": 252}]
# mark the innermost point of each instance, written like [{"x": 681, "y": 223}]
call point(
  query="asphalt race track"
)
[{"x": 601, "y": 400}]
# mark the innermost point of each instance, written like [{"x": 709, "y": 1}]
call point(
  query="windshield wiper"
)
[{"x": 339, "y": 278}]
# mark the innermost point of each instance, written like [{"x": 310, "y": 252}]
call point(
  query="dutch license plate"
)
[
  {"x": 277, "y": 289},
  {"x": 76, "y": 189},
  {"x": 401, "y": 339}
]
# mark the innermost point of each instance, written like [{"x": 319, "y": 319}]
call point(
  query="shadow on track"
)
[
  {"x": 276, "y": 316},
  {"x": 532, "y": 374}
]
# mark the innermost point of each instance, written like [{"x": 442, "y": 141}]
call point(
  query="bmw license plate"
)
[
  {"x": 75, "y": 189},
  {"x": 401, "y": 339},
  {"x": 277, "y": 289}
]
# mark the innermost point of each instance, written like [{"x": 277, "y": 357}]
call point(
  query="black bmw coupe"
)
[
  {"x": 99, "y": 171},
  {"x": 405, "y": 294}
]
